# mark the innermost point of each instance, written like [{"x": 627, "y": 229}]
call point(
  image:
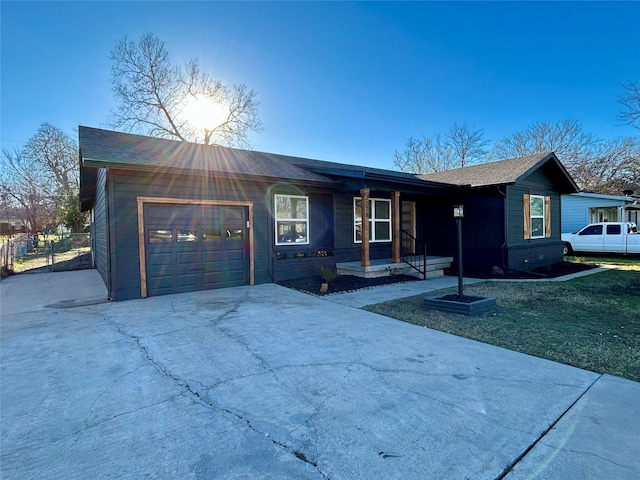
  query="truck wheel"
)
[{"x": 567, "y": 249}]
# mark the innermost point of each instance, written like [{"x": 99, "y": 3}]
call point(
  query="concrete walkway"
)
[
  {"x": 266, "y": 382},
  {"x": 371, "y": 296},
  {"x": 41, "y": 291}
]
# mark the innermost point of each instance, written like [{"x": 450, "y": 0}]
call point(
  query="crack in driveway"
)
[
  {"x": 195, "y": 395},
  {"x": 520, "y": 457}
]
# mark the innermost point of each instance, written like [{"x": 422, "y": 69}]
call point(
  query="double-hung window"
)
[
  {"x": 537, "y": 216},
  {"x": 379, "y": 220},
  {"x": 291, "y": 219}
]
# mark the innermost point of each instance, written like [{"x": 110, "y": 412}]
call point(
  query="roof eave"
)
[
  {"x": 365, "y": 175},
  {"x": 92, "y": 163},
  {"x": 551, "y": 156}
]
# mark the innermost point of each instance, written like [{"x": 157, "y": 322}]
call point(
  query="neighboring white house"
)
[{"x": 580, "y": 209}]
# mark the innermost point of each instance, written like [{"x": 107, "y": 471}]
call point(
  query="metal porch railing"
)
[{"x": 412, "y": 253}]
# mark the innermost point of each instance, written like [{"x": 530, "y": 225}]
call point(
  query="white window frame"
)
[
  {"x": 532, "y": 216},
  {"x": 372, "y": 220},
  {"x": 278, "y": 220}
]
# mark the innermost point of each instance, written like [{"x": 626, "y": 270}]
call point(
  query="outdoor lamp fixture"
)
[{"x": 458, "y": 213}]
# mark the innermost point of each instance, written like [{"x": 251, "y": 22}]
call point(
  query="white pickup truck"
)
[{"x": 611, "y": 237}]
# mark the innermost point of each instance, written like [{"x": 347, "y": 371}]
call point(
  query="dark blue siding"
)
[
  {"x": 532, "y": 253},
  {"x": 127, "y": 186},
  {"x": 99, "y": 228}
]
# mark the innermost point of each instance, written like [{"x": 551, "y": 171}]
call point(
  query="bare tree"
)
[
  {"x": 459, "y": 147},
  {"x": 57, "y": 154},
  {"x": 467, "y": 145},
  {"x": 42, "y": 180},
  {"x": 26, "y": 187},
  {"x": 424, "y": 155},
  {"x": 566, "y": 138},
  {"x": 600, "y": 166},
  {"x": 157, "y": 98},
  {"x": 611, "y": 167},
  {"x": 630, "y": 102}
]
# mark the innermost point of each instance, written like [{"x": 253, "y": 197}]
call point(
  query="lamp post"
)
[{"x": 458, "y": 214}]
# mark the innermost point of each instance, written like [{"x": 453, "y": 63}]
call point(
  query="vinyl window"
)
[
  {"x": 379, "y": 220},
  {"x": 291, "y": 219},
  {"x": 537, "y": 216}
]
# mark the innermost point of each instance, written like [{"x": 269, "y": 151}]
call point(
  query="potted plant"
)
[{"x": 327, "y": 274}]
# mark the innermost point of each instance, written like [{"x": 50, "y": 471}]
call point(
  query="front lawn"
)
[{"x": 591, "y": 322}]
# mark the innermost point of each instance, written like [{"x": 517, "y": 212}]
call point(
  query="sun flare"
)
[{"x": 203, "y": 113}]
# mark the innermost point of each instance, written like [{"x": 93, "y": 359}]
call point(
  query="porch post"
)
[
  {"x": 364, "y": 254},
  {"x": 395, "y": 227}
]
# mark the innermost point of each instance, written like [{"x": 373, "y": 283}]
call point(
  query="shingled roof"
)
[
  {"x": 105, "y": 148},
  {"x": 503, "y": 172}
]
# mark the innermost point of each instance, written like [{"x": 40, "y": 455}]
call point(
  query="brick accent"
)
[
  {"x": 529, "y": 256},
  {"x": 291, "y": 268}
]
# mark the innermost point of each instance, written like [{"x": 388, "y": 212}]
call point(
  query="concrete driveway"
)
[{"x": 266, "y": 382}]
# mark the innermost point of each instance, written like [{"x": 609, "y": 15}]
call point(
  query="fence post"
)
[{"x": 53, "y": 249}]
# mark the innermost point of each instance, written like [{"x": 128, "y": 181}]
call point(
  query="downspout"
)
[{"x": 505, "y": 206}]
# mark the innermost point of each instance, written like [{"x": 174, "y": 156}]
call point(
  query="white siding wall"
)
[{"x": 575, "y": 210}]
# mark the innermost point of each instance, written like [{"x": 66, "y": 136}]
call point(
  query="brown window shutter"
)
[
  {"x": 547, "y": 216},
  {"x": 526, "y": 208}
]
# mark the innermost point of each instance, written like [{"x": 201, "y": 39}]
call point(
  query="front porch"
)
[{"x": 385, "y": 267}]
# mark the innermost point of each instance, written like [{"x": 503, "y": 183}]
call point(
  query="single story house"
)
[
  {"x": 169, "y": 217},
  {"x": 583, "y": 208}
]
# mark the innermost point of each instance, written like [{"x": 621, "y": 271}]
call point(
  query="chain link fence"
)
[{"x": 45, "y": 253}]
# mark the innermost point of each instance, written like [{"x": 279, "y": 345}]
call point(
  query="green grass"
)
[
  {"x": 626, "y": 262},
  {"x": 591, "y": 322}
]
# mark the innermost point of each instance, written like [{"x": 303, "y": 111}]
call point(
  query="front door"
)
[{"x": 409, "y": 226}]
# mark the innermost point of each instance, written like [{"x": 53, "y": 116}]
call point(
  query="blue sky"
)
[{"x": 347, "y": 82}]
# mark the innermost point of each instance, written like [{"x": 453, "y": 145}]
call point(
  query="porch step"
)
[{"x": 384, "y": 268}]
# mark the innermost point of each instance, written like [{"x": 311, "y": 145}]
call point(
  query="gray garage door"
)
[{"x": 195, "y": 247}]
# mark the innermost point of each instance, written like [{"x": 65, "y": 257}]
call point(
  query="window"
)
[
  {"x": 603, "y": 214},
  {"x": 614, "y": 230},
  {"x": 159, "y": 236},
  {"x": 292, "y": 219},
  {"x": 379, "y": 220},
  {"x": 211, "y": 235},
  {"x": 591, "y": 230},
  {"x": 537, "y": 216},
  {"x": 187, "y": 236}
]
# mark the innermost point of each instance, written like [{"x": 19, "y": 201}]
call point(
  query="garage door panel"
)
[
  {"x": 235, "y": 255},
  {"x": 160, "y": 271},
  {"x": 209, "y": 257},
  {"x": 212, "y": 278},
  {"x": 189, "y": 279},
  {"x": 187, "y": 258},
  {"x": 154, "y": 214},
  {"x": 213, "y": 267},
  {"x": 159, "y": 282},
  {"x": 155, "y": 259},
  {"x": 235, "y": 275},
  {"x": 195, "y": 247}
]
